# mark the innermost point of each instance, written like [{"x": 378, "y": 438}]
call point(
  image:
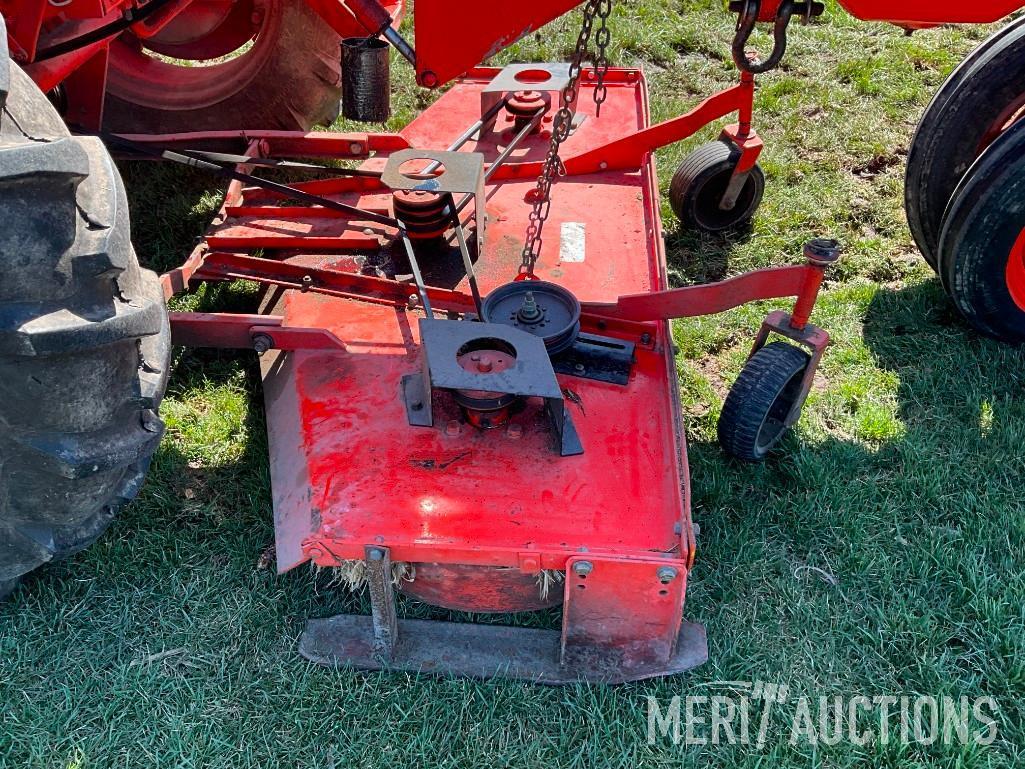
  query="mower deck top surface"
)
[{"x": 349, "y": 471}]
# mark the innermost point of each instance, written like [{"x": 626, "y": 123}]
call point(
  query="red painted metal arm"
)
[
  {"x": 247, "y": 332},
  {"x": 802, "y": 281}
]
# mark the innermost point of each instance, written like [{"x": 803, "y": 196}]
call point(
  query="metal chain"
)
[
  {"x": 561, "y": 126},
  {"x": 602, "y": 38}
]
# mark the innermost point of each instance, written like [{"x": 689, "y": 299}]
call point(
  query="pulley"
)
[{"x": 543, "y": 309}]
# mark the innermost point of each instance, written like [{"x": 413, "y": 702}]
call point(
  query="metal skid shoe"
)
[
  {"x": 480, "y": 425},
  {"x": 600, "y": 641}
]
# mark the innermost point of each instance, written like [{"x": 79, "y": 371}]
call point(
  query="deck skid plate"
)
[{"x": 479, "y": 651}]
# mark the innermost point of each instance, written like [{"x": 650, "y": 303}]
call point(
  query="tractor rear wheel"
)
[
  {"x": 271, "y": 64},
  {"x": 84, "y": 337},
  {"x": 982, "y": 245},
  {"x": 981, "y": 98}
]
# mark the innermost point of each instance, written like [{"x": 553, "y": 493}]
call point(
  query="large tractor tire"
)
[
  {"x": 982, "y": 246},
  {"x": 981, "y": 98},
  {"x": 84, "y": 338},
  {"x": 249, "y": 64}
]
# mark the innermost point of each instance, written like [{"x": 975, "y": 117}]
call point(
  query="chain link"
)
[
  {"x": 602, "y": 38},
  {"x": 562, "y": 124}
]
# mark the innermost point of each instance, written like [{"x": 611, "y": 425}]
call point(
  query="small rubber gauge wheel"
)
[
  {"x": 700, "y": 182},
  {"x": 753, "y": 418}
]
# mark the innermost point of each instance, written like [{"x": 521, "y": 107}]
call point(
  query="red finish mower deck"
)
[{"x": 583, "y": 488}]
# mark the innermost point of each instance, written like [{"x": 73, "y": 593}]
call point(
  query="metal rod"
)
[
  {"x": 504, "y": 156},
  {"x": 256, "y": 181},
  {"x": 471, "y": 275},
  {"x": 466, "y": 135},
  {"x": 392, "y": 36},
  {"x": 418, "y": 278}
]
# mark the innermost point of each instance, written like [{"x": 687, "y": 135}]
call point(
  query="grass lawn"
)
[{"x": 880, "y": 553}]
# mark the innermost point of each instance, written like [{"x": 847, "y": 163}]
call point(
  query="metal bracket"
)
[
  {"x": 548, "y": 79},
  {"x": 452, "y": 172},
  {"x": 382, "y": 600},
  {"x": 533, "y": 376},
  {"x": 601, "y": 358},
  {"x": 600, "y": 627}
]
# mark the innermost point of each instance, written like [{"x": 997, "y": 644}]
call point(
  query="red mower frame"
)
[{"x": 622, "y": 596}]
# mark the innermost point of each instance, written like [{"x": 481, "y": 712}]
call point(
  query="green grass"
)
[{"x": 901, "y": 487}]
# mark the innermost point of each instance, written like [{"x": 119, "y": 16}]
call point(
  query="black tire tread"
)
[
  {"x": 84, "y": 338},
  {"x": 948, "y": 135},
  {"x": 760, "y": 382},
  {"x": 706, "y": 162},
  {"x": 983, "y": 220}
]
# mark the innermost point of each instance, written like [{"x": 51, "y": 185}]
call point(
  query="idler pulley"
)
[
  {"x": 426, "y": 214},
  {"x": 543, "y": 309}
]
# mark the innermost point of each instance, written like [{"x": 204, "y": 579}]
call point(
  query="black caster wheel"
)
[
  {"x": 700, "y": 182},
  {"x": 982, "y": 244},
  {"x": 753, "y": 418}
]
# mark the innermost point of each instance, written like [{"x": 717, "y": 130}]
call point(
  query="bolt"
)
[
  {"x": 356, "y": 148},
  {"x": 428, "y": 79},
  {"x": 367, "y": 231},
  {"x": 307, "y": 281},
  {"x": 515, "y": 432},
  {"x": 452, "y": 428},
  {"x": 666, "y": 574},
  {"x": 645, "y": 338},
  {"x": 579, "y": 368},
  {"x": 583, "y": 568},
  {"x": 412, "y": 302},
  {"x": 484, "y": 365},
  {"x": 822, "y": 251},
  {"x": 262, "y": 343},
  {"x": 603, "y": 165}
]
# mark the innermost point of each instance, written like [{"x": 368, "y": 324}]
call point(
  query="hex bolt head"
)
[
  {"x": 262, "y": 343},
  {"x": 583, "y": 568},
  {"x": 356, "y": 148},
  {"x": 667, "y": 574}
]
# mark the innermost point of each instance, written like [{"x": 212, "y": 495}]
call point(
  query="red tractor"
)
[{"x": 469, "y": 377}]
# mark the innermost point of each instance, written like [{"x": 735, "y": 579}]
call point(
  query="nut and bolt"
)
[
  {"x": 356, "y": 148},
  {"x": 666, "y": 574},
  {"x": 412, "y": 302},
  {"x": 583, "y": 568},
  {"x": 645, "y": 338},
  {"x": 262, "y": 343}
]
